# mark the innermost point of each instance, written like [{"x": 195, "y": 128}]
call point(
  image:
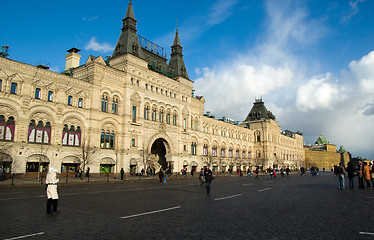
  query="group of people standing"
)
[{"x": 363, "y": 171}]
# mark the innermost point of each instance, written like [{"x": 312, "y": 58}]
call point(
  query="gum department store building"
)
[{"x": 133, "y": 110}]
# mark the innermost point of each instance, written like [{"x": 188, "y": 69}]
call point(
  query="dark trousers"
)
[
  {"x": 49, "y": 205},
  {"x": 207, "y": 186},
  {"x": 52, "y": 205},
  {"x": 361, "y": 182}
]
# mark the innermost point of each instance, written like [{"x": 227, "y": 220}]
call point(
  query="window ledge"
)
[{"x": 135, "y": 123}]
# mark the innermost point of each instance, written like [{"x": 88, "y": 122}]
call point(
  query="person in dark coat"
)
[
  {"x": 161, "y": 176},
  {"x": 351, "y": 174},
  {"x": 208, "y": 179},
  {"x": 122, "y": 173}
]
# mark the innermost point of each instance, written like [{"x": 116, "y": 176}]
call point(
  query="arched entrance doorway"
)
[{"x": 159, "y": 148}]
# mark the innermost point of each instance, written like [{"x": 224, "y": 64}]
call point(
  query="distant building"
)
[
  {"x": 324, "y": 155},
  {"x": 134, "y": 110}
]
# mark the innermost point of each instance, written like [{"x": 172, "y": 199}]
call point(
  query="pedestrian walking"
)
[
  {"x": 288, "y": 171},
  {"x": 208, "y": 175},
  {"x": 256, "y": 173},
  {"x": 360, "y": 175},
  {"x": 341, "y": 174},
  {"x": 351, "y": 174},
  {"x": 51, "y": 190},
  {"x": 122, "y": 173},
  {"x": 88, "y": 172},
  {"x": 161, "y": 176},
  {"x": 367, "y": 174}
]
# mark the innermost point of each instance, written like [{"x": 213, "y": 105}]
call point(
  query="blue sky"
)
[{"x": 312, "y": 61}]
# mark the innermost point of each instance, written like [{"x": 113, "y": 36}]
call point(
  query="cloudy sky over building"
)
[{"x": 312, "y": 62}]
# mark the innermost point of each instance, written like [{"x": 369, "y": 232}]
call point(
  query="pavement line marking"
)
[
  {"x": 156, "y": 211},
  {"x": 25, "y": 236},
  {"x": 366, "y": 233},
  {"x": 268, "y": 182},
  {"x": 248, "y": 184},
  {"x": 265, "y": 189},
  {"x": 222, "y": 198}
]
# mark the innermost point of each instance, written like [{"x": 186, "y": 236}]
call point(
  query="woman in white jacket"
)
[{"x": 51, "y": 188}]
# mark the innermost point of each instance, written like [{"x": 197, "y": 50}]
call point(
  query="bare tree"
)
[
  {"x": 4, "y": 152},
  {"x": 85, "y": 153}
]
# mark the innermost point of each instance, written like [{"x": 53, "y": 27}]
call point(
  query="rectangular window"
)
[
  {"x": 214, "y": 151},
  {"x": 174, "y": 120},
  {"x": 161, "y": 117},
  {"x": 205, "y": 150},
  {"x": 132, "y": 142},
  {"x": 70, "y": 100},
  {"x": 133, "y": 113},
  {"x": 37, "y": 93},
  {"x": 153, "y": 115},
  {"x": 13, "y": 88},
  {"x": 223, "y": 152},
  {"x": 50, "y": 96},
  {"x": 184, "y": 124},
  {"x": 230, "y": 153},
  {"x": 1, "y": 84},
  {"x": 80, "y": 102}
]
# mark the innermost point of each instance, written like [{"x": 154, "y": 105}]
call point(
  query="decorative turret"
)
[
  {"x": 176, "y": 62},
  {"x": 128, "y": 42}
]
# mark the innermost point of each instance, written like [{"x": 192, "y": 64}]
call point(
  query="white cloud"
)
[
  {"x": 319, "y": 93},
  {"x": 99, "y": 47},
  {"x": 340, "y": 107},
  {"x": 364, "y": 72}
]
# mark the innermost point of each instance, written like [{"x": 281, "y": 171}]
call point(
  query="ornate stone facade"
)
[{"x": 132, "y": 111}]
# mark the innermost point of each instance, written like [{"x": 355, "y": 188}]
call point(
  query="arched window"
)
[
  {"x": 223, "y": 152},
  {"x": 214, "y": 151},
  {"x": 133, "y": 114},
  {"x": 107, "y": 139},
  {"x": 153, "y": 114},
  {"x": 174, "y": 118},
  {"x": 146, "y": 112},
  {"x": 39, "y": 133},
  {"x": 193, "y": 148},
  {"x": 72, "y": 136},
  {"x": 205, "y": 150},
  {"x": 168, "y": 117},
  {"x": 161, "y": 115},
  {"x": 7, "y": 129},
  {"x": 104, "y": 103},
  {"x": 115, "y": 105}
]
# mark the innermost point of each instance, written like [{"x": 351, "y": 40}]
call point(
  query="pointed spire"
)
[
  {"x": 128, "y": 41},
  {"x": 176, "y": 62},
  {"x": 130, "y": 11}
]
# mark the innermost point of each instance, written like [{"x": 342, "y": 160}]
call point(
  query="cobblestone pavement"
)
[{"x": 238, "y": 208}]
